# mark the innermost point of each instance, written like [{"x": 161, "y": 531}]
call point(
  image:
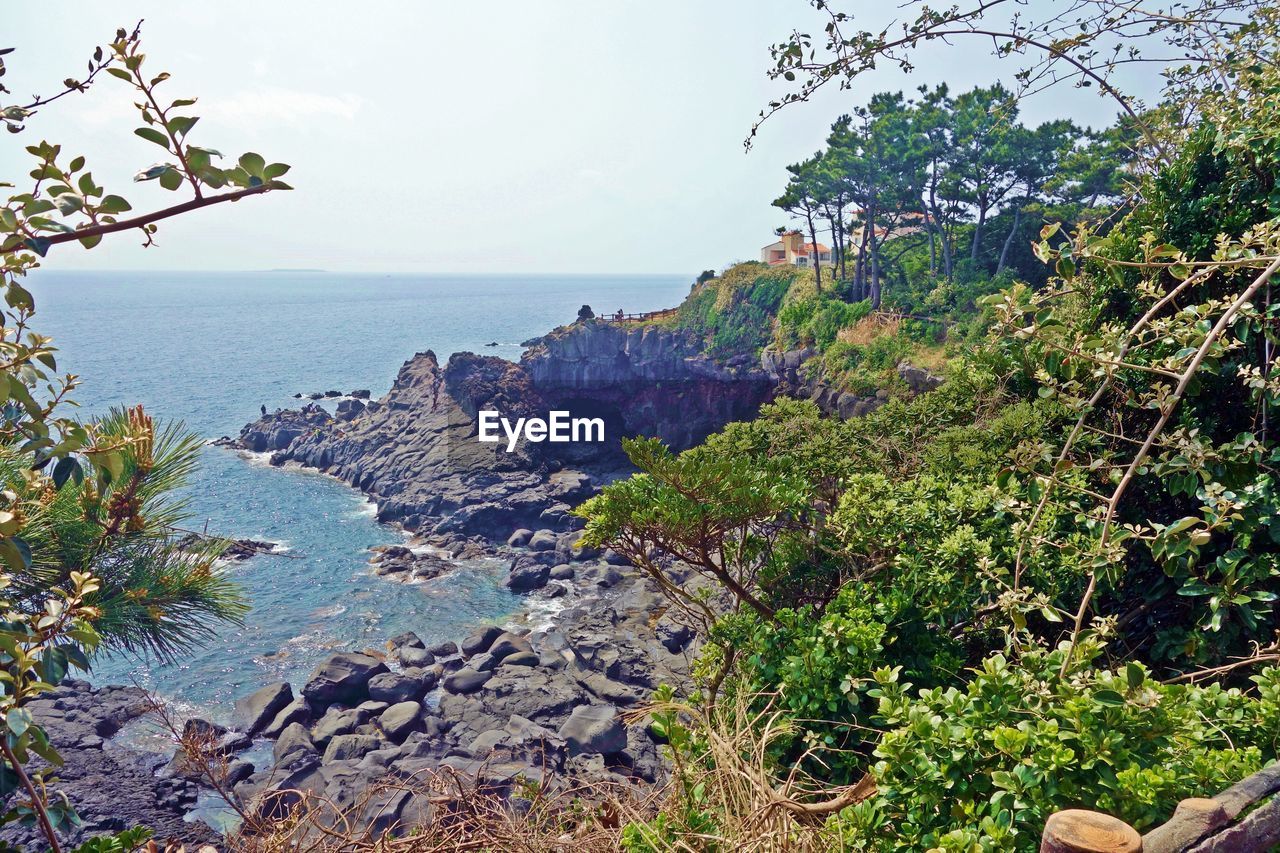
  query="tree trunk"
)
[
  {"x": 1008, "y": 241},
  {"x": 933, "y": 245},
  {"x": 813, "y": 243},
  {"x": 835, "y": 241},
  {"x": 942, "y": 232},
  {"x": 977, "y": 230},
  {"x": 875, "y": 260},
  {"x": 862, "y": 260}
]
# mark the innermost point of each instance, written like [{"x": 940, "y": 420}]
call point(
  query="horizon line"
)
[{"x": 347, "y": 272}]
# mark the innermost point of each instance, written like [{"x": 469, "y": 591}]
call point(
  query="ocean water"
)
[{"x": 209, "y": 349}]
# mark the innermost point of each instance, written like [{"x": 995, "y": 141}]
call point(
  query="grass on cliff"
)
[
  {"x": 751, "y": 306},
  {"x": 735, "y": 312}
]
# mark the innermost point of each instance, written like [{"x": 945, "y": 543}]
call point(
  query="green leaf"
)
[
  {"x": 68, "y": 203},
  {"x": 1134, "y": 675},
  {"x": 152, "y": 135},
  {"x": 17, "y": 296},
  {"x": 181, "y": 125},
  {"x": 275, "y": 170},
  {"x": 171, "y": 179},
  {"x": 53, "y": 665},
  {"x": 253, "y": 163},
  {"x": 66, "y": 468},
  {"x": 1109, "y": 698},
  {"x": 152, "y": 172},
  {"x": 114, "y": 204},
  {"x": 121, "y": 73},
  {"x": 39, "y": 245}
]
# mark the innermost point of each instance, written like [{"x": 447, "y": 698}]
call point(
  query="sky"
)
[{"x": 538, "y": 136}]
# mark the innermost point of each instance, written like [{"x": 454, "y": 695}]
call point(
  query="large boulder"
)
[
  {"x": 393, "y": 687},
  {"x": 481, "y": 640},
  {"x": 293, "y": 745},
  {"x": 336, "y": 722},
  {"x": 520, "y": 538},
  {"x": 408, "y": 640},
  {"x": 506, "y": 645},
  {"x": 521, "y": 659},
  {"x": 296, "y": 711},
  {"x": 400, "y": 719},
  {"x": 444, "y": 649},
  {"x": 411, "y": 656},
  {"x": 919, "y": 380},
  {"x": 594, "y": 729},
  {"x": 342, "y": 678},
  {"x": 543, "y": 540},
  {"x": 527, "y": 575},
  {"x": 466, "y": 680},
  {"x": 254, "y": 712},
  {"x": 674, "y": 636},
  {"x": 350, "y": 747}
]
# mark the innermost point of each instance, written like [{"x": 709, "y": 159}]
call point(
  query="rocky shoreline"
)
[
  {"x": 524, "y": 702},
  {"x": 112, "y": 786},
  {"x": 504, "y": 707}
]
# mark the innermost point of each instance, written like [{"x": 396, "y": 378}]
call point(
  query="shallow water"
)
[{"x": 209, "y": 349}]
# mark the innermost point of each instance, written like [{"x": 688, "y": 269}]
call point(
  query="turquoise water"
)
[{"x": 209, "y": 349}]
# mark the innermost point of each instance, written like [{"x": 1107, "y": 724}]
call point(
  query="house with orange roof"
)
[{"x": 792, "y": 249}]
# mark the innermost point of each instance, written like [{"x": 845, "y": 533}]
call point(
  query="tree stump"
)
[{"x": 1080, "y": 831}]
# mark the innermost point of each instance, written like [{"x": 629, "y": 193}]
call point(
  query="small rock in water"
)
[
  {"x": 254, "y": 712},
  {"x": 527, "y": 575}
]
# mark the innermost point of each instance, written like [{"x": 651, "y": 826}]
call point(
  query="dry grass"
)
[
  {"x": 870, "y": 327},
  {"x": 754, "y": 811},
  {"x": 448, "y": 813},
  {"x": 732, "y": 780}
]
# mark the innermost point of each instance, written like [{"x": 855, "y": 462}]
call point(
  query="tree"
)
[
  {"x": 803, "y": 198},
  {"x": 91, "y": 557},
  {"x": 1039, "y": 153},
  {"x": 1081, "y": 42}
]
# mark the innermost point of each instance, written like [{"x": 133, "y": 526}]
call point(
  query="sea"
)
[{"x": 210, "y": 349}]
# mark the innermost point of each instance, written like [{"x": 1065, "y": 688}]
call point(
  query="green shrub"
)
[
  {"x": 734, "y": 313},
  {"x": 981, "y": 767},
  {"x": 816, "y": 320}
]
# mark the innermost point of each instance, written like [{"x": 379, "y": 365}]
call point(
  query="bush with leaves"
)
[
  {"x": 982, "y": 766},
  {"x": 91, "y": 558},
  {"x": 733, "y": 312}
]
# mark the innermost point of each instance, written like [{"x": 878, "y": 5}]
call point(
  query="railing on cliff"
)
[
  {"x": 1198, "y": 825},
  {"x": 621, "y": 317}
]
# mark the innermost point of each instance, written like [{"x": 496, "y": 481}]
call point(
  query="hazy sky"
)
[{"x": 508, "y": 136}]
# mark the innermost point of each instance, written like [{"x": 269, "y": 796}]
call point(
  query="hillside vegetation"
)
[
  {"x": 1049, "y": 584},
  {"x": 752, "y": 306}
]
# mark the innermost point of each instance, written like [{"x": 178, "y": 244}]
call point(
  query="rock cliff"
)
[
  {"x": 416, "y": 450},
  {"x": 656, "y": 380},
  {"x": 795, "y": 376}
]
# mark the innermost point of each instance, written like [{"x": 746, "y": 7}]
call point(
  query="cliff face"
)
[
  {"x": 416, "y": 452},
  {"x": 653, "y": 380}
]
